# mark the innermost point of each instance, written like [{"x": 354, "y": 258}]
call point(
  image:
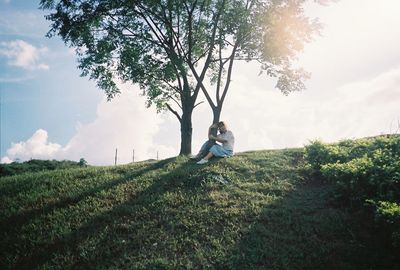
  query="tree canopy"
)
[{"x": 173, "y": 49}]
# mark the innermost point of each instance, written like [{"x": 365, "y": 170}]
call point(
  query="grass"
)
[{"x": 257, "y": 210}]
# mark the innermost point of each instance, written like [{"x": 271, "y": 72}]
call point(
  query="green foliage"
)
[
  {"x": 36, "y": 165},
  {"x": 83, "y": 162},
  {"x": 318, "y": 154},
  {"x": 172, "y": 49},
  {"x": 366, "y": 170},
  {"x": 159, "y": 45},
  {"x": 387, "y": 216},
  {"x": 352, "y": 178}
]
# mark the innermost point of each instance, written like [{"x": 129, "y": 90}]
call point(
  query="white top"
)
[{"x": 230, "y": 140}]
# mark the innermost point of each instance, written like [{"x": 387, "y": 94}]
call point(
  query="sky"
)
[{"x": 49, "y": 112}]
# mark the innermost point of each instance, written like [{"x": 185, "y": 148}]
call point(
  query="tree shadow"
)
[
  {"x": 113, "y": 224},
  {"x": 304, "y": 230},
  {"x": 294, "y": 232},
  {"x": 21, "y": 218},
  {"x": 158, "y": 226},
  {"x": 12, "y": 225}
]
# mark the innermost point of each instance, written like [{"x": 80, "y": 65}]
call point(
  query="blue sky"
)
[
  {"x": 52, "y": 96},
  {"x": 48, "y": 111}
]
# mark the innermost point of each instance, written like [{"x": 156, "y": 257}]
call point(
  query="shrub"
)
[
  {"x": 351, "y": 179},
  {"x": 35, "y": 165},
  {"x": 387, "y": 215},
  {"x": 366, "y": 170},
  {"x": 318, "y": 154}
]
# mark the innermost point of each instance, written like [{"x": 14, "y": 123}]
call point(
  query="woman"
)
[{"x": 225, "y": 137}]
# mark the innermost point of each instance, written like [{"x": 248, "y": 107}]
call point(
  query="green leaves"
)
[
  {"x": 364, "y": 172},
  {"x": 364, "y": 169},
  {"x": 155, "y": 42},
  {"x": 172, "y": 48},
  {"x": 387, "y": 216},
  {"x": 290, "y": 80}
]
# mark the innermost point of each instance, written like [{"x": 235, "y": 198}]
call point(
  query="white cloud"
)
[
  {"x": 22, "y": 54},
  {"x": 263, "y": 118},
  {"x": 124, "y": 123},
  {"x": 268, "y": 119},
  {"x": 260, "y": 119},
  {"x": 354, "y": 92},
  {"x": 357, "y": 40},
  {"x": 6, "y": 160},
  {"x": 35, "y": 147}
]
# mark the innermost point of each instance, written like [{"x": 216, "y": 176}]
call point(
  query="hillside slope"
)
[{"x": 257, "y": 210}]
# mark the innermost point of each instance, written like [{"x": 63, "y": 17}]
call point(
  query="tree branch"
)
[
  {"x": 177, "y": 103},
  {"x": 170, "y": 52},
  {"x": 174, "y": 112},
  {"x": 198, "y": 104},
  {"x": 174, "y": 36},
  {"x": 207, "y": 62},
  {"x": 228, "y": 78},
  {"x": 220, "y": 70}
]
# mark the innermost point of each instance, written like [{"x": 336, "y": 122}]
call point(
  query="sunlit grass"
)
[{"x": 255, "y": 210}]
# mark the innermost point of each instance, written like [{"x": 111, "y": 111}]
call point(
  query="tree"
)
[
  {"x": 173, "y": 49},
  {"x": 83, "y": 162}
]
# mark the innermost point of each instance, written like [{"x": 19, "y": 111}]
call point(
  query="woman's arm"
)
[
  {"x": 210, "y": 136},
  {"x": 218, "y": 139}
]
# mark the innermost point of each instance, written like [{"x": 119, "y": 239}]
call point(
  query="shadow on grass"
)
[
  {"x": 304, "y": 230},
  {"x": 20, "y": 219},
  {"x": 143, "y": 203},
  {"x": 13, "y": 224},
  {"x": 296, "y": 232},
  {"x": 175, "y": 222},
  {"x": 148, "y": 232}
]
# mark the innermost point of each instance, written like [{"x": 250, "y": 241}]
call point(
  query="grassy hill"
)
[{"x": 257, "y": 210}]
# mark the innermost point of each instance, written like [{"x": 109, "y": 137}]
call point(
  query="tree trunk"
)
[
  {"x": 186, "y": 133},
  {"x": 216, "y": 114}
]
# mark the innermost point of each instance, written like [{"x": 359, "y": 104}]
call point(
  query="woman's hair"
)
[{"x": 221, "y": 124}]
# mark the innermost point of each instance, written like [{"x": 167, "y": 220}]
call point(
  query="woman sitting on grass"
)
[{"x": 225, "y": 137}]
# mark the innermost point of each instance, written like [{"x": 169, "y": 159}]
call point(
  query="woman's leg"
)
[
  {"x": 205, "y": 148},
  {"x": 215, "y": 150},
  {"x": 208, "y": 156},
  {"x": 219, "y": 151}
]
